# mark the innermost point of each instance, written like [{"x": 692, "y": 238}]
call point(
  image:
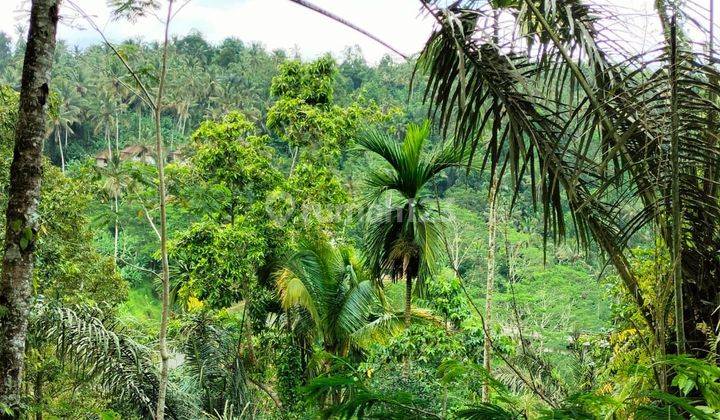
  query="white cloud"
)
[
  {"x": 285, "y": 25},
  {"x": 274, "y": 23}
]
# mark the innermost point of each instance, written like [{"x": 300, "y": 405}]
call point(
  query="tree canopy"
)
[{"x": 521, "y": 221}]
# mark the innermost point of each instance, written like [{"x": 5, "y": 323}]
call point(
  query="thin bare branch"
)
[{"x": 115, "y": 51}]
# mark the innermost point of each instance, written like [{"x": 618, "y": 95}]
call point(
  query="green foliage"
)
[
  {"x": 8, "y": 119},
  {"x": 132, "y": 9},
  {"x": 585, "y": 149},
  {"x": 289, "y": 373},
  {"x": 217, "y": 263},
  {"x": 210, "y": 343},
  {"x": 409, "y": 228},
  {"x": 310, "y": 83},
  {"x": 232, "y": 163},
  {"x": 123, "y": 368},
  {"x": 317, "y": 200},
  {"x": 257, "y": 209},
  {"x": 304, "y": 114},
  {"x": 68, "y": 267},
  {"x": 141, "y": 310},
  {"x": 696, "y": 375},
  {"x": 333, "y": 286},
  {"x": 424, "y": 344},
  {"x": 444, "y": 294},
  {"x": 361, "y": 401}
]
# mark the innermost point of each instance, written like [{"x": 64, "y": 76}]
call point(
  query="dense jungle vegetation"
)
[{"x": 522, "y": 221}]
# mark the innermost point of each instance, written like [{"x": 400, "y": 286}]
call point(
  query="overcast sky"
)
[
  {"x": 275, "y": 23},
  {"x": 283, "y": 24}
]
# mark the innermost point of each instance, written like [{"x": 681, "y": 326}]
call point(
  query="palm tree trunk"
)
[
  {"x": 408, "y": 291},
  {"x": 160, "y": 159},
  {"x": 60, "y": 147},
  {"x": 662, "y": 348},
  {"x": 676, "y": 206},
  {"x": 489, "y": 286},
  {"x": 117, "y": 227},
  {"x": 408, "y": 307},
  {"x": 107, "y": 140},
  {"x": 117, "y": 135},
  {"x": 139, "y": 122},
  {"x": 492, "y": 227},
  {"x": 23, "y": 198}
]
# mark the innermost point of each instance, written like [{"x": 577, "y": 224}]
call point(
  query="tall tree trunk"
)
[
  {"x": 408, "y": 306},
  {"x": 139, "y": 122},
  {"x": 107, "y": 140},
  {"x": 117, "y": 226},
  {"x": 117, "y": 136},
  {"x": 248, "y": 328},
  {"x": 408, "y": 290},
  {"x": 113, "y": 204},
  {"x": 23, "y": 197},
  {"x": 160, "y": 159},
  {"x": 662, "y": 371},
  {"x": 246, "y": 325},
  {"x": 38, "y": 396},
  {"x": 675, "y": 185},
  {"x": 492, "y": 228},
  {"x": 60, "y": 147}
]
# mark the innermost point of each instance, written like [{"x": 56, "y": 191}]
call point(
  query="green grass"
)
[
  {"x": 553, "y": 302},
  {"x": 142, "y": 307}
]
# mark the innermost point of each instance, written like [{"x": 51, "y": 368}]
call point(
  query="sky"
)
[
  {"x": 274, "y": 23},
  {"x": 286, "y": 25}
]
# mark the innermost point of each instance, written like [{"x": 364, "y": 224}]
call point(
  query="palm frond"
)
[
  {"x": 362, "y": 402},
  {"x": 389, "y": 324},
  {"x": 213, "y": 359},
  {"x": 486, "y": 411},
  {"x": 591, "y": 126},
  {"x": 332, "y": 284},
  {"x": 132, "y": 9},
  {"x": 123, "y": 367},
  {"x": 359, "y": 303}
]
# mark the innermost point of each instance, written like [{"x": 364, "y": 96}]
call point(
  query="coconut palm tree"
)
[
  {"x": 404, "y": 237},
  {"x": 107, "y": 107},
  {"x": 62, "y": 118},
  {"x": 624, "y": 141},
  {"x": 347, "y": 310},
  {"x": 115, "y": 179}
]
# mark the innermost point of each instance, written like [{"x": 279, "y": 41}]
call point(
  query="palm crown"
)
[
  {"x": 347, "y": 310},
  {"x": 333, "y": 287},
  {"x": 403, "y": 238}
]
